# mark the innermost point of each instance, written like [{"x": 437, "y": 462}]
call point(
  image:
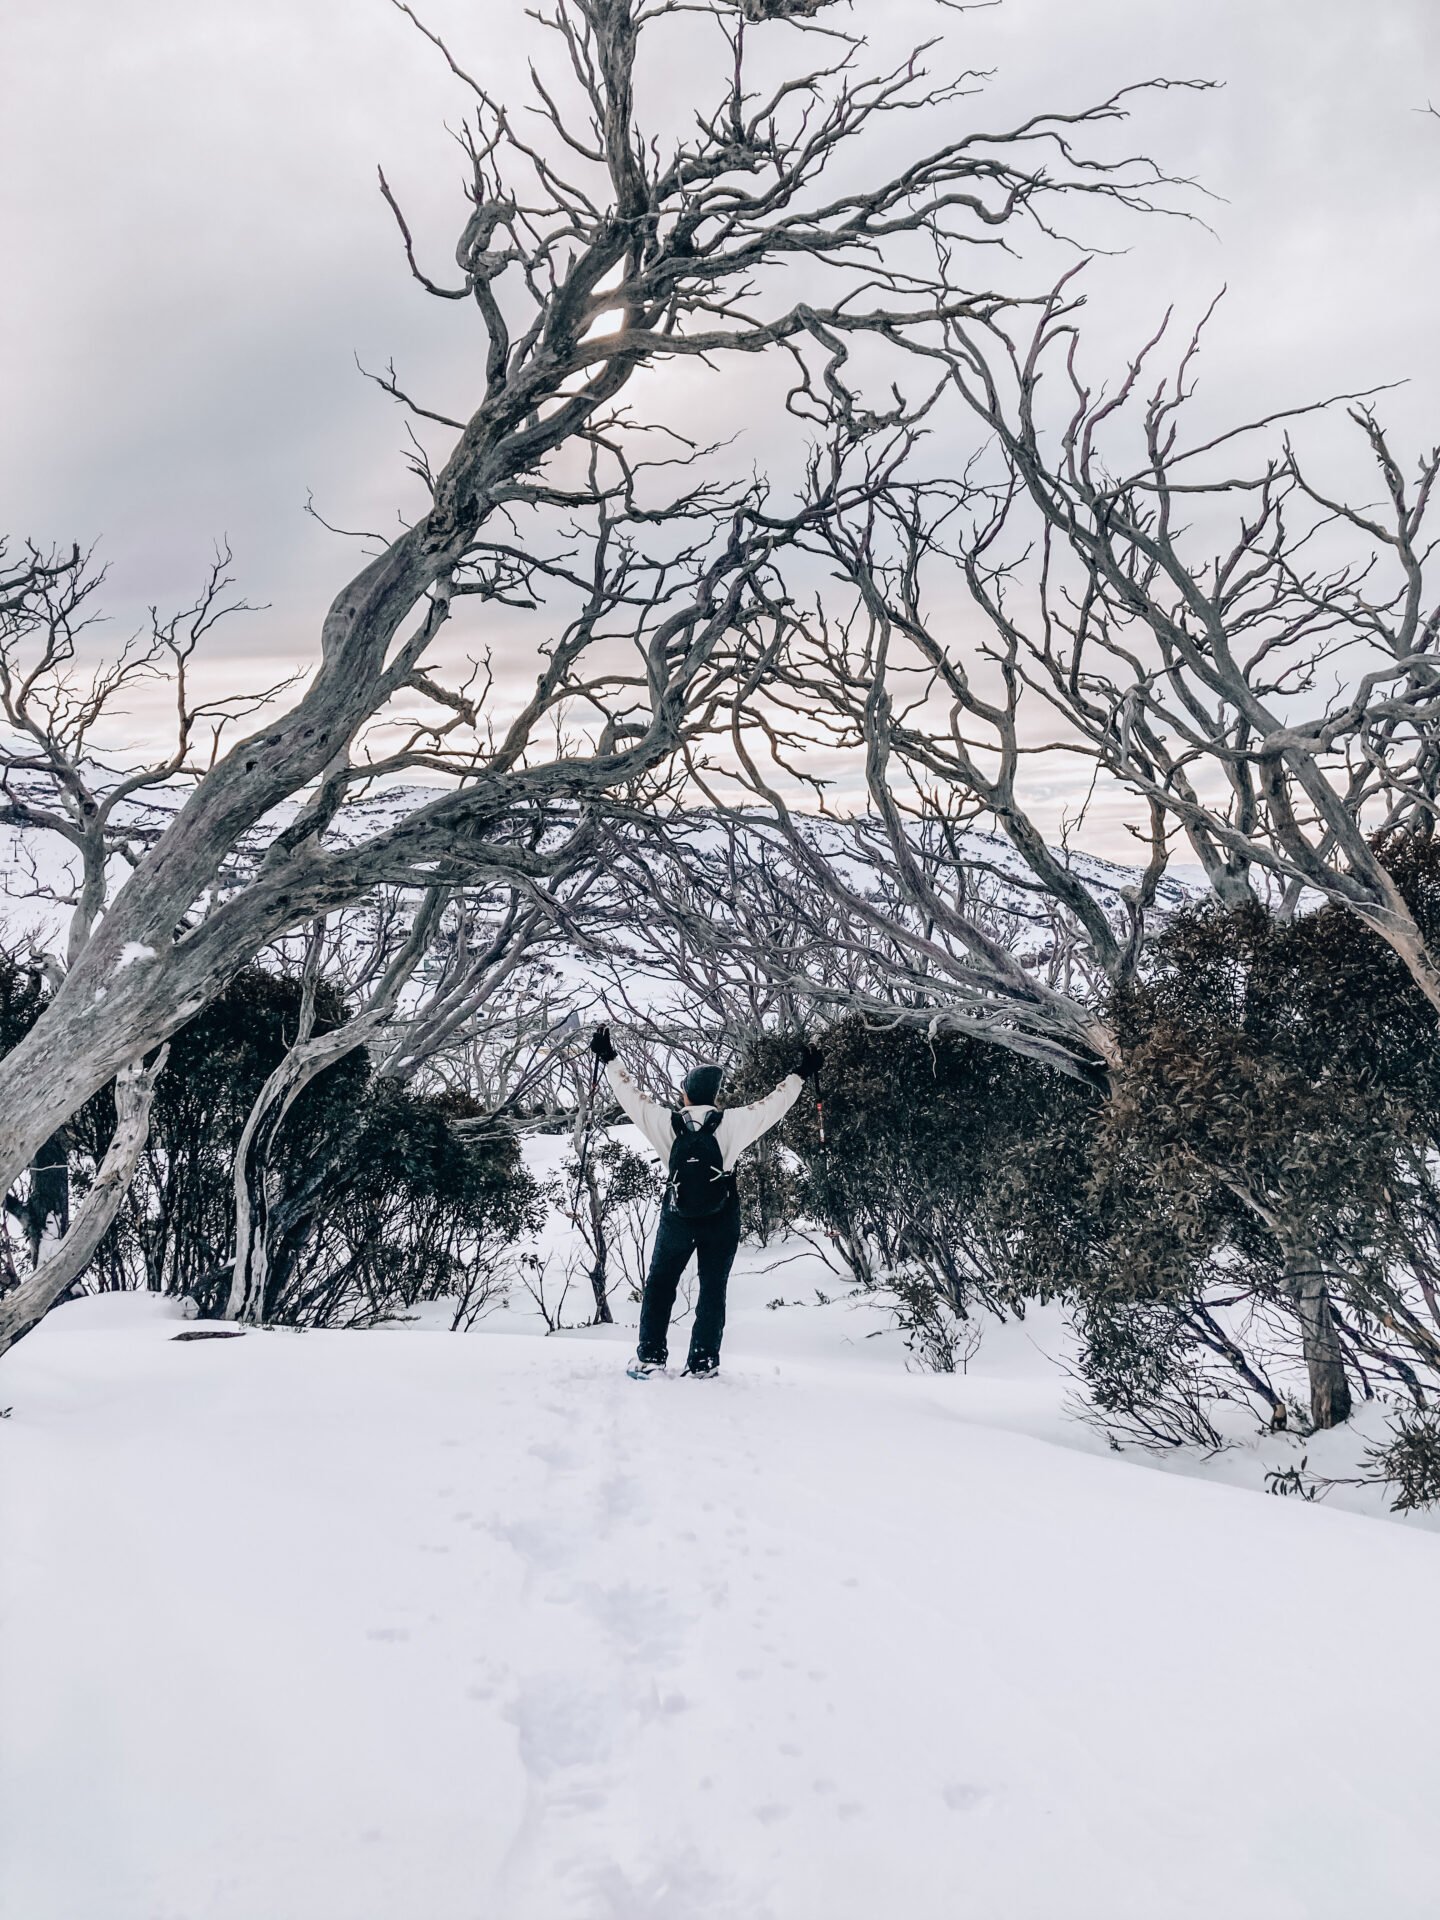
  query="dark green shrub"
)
[
  {"x": 918, "y": 1184},
  {"x": 384, "y": 1197}
]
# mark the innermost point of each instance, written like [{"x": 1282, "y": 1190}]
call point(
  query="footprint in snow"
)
[
  {"x": 579, "y": 1797},
  {"x": 560, "y": 1724},
  {"x": 645, "y": 1621},
  {"x": 677, "y": 1887},
  {"x": 620, "y": 1496},
  {"x": 961, "y": 1797},
  {"x": 545, "y": 1545}
]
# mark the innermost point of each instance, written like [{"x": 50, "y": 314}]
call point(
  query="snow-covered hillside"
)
[
  {"x": 37, "y": 870},
  {"x": 367, "y": 1625}
]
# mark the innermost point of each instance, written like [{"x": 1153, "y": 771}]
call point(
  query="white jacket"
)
[{"x": 740, "y": 1127}]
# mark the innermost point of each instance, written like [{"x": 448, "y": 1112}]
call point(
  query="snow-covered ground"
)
[{"x": 409, "y": 1626}]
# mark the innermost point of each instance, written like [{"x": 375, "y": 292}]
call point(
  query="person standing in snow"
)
[{"x": 700, "y": 1143}]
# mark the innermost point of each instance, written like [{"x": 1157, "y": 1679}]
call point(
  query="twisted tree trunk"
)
[
  {"x": 600, "y": 1246},
  {"x": 258, "y": 1184},
  {"x": 134, "y": 1091},
  {"x": 1330, "y": 1402}
]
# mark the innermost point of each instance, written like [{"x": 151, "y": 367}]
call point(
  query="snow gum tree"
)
[
  {"x": 467, "y": 950},
  {"x": 589, "y": 251},
  {"x": 1249, "y": 652},
  {"x": 946, "y": 908}
]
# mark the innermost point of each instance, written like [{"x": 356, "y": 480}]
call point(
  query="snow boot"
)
[
  {"x": 639, "y": 1369},
  {"x": 705, "y": 1370}
]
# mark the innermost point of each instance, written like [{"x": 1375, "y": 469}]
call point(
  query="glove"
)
[
  {"x": 602, "y": 1046},
  {"x": 810, "y": 1062}
]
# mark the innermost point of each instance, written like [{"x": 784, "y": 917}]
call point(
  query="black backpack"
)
[{"x": 699, "y": 1184}]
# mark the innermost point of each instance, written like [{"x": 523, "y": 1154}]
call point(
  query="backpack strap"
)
[{"x": 711, "y": 1122}]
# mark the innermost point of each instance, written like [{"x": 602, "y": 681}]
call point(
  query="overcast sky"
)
[{"x": 195, "y": 252}]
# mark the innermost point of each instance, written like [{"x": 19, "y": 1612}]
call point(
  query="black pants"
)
[{"x": 713, "y": 1241}]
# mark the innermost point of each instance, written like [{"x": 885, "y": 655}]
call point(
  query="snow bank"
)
[{"x": 348, "y": 1627}]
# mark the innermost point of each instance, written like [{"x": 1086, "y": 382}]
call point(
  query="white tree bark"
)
[
  {"x": 305, "y": 1062},
  {"x": 22, "y": 1308}
]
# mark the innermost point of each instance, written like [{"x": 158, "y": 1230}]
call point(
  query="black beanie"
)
[{"x": 702, "y": 1084}]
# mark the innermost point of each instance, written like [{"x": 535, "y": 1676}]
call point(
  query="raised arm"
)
[
  {"x": 743, "y": 1126},
  {"x": 649, "y": 1116}
]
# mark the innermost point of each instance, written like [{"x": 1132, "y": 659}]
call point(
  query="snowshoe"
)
[
  {"x": 707, "y": 1370},
  {"x": 642, "y": 1369}
]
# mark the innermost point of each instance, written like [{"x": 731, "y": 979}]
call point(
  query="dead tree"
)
[
  {"x": 57, "y": 1269},
  {"x": 417, "y": 976},
  {"x": 257, "y": 1180},
  {"x": 1270, "y": 690},
  {"x": 943, "y": 902},
  {"x": 512, "y": 1065},
  {"x": 1277, "y": 703},
  {"x": 588, "y": 252},
  {"x": 1033, "y": 959},
  {"x": 823, "y": 920},
  {"x": 1254, "y": 657},
  {"x": 587, "y": 1205},
  {"x": 43, "y": 1211},
  {"x": 55, "y": 776},
  {"x": 55, "y": 781}
]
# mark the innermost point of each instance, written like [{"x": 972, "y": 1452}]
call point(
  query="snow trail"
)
[{"x": 348, "y": 1626}]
